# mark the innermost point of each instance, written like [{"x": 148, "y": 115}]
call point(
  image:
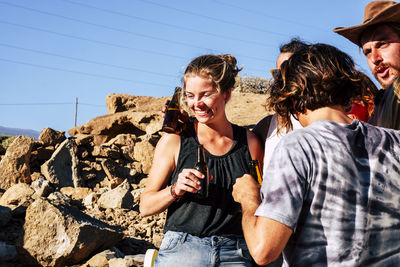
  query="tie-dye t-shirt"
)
[{"x": 338, "y": 187}]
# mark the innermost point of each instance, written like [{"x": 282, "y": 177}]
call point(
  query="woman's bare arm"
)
[{"x": 156, "y": 197}]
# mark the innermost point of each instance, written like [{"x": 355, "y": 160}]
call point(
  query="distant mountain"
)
[{"x": 17, "y": 131}]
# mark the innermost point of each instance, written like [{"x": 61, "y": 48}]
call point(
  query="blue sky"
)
[{"x": 54, "y": 51}]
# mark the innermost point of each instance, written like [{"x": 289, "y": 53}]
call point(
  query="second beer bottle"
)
[
  {"x": 171, "y": 122},
  {"x": 201, "y": 166}
]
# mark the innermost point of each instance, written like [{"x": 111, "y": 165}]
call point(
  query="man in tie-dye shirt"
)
[{"x": 331, "y": 192}]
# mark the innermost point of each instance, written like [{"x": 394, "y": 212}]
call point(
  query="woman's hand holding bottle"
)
[{"x": 188, "y": 181}]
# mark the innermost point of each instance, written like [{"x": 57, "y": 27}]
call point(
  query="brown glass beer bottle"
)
[
  {"x": 201, "y": 166},
  {"x": 171, "y": 122},
  {"x": 255, "y": 171}
]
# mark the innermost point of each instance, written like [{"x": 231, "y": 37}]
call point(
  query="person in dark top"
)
[{"x": 202, "y": 232}]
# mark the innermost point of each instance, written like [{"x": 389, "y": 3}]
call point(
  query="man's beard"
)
[{"x": 385, "y": 83}]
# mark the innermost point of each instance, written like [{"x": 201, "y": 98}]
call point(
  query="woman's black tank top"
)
[{"x": 218, "y": 214}]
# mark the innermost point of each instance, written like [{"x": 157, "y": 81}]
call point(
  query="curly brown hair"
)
[{"x": 317, "y": 76}]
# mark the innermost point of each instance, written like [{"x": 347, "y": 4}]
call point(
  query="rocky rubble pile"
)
[{"x": 74, "y": 201}]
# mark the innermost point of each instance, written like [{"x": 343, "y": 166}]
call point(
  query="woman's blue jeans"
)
[{"x": 182, "y": 249}]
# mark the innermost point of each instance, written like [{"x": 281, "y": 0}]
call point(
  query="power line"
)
[
  {"x": 84, "y": 60},
  {"x": 97, "y": 62},
  {"x": 87, "y": 61},
  {"x": 92, "y": 105},
  {"x": 101, "y": 25},
  {"x": 81, "y": 73},
  {"x": 251, "y": 11},
  {"x": 110, "y": 44},
  {"x": 36, "y": 104},
  {"x": 118, "y": 30},
  {"x": 90, "y": 40},
  {"x": 215, "y": 19},
  {"x": 168, "y": 24},
  {"x": 50, "y": 104}
]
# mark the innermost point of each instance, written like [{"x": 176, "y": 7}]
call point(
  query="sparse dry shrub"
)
[{"x": 253, "y": 85}]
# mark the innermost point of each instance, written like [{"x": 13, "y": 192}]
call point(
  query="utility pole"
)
[{"x": 76, "y": 110}]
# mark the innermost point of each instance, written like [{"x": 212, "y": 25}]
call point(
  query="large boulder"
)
[
  {"x": 17, "y": 195},
  {"x": 62, "y": 168},
  {"x": 14, "y": 166},
  {"x": 56, "y": 234},
  {"x": 50, "y": 137},
  {"x": 117, "y": 198},
  {"x": 106, "y": 127},
  {"x": 123, "y": 102},
  {"x": 144, "y": 151}
]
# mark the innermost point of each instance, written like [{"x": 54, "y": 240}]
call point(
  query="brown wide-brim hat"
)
[{"x": 375, "y": 12}]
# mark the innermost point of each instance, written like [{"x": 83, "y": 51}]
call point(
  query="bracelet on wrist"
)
[{"x": 173, "y": 193}]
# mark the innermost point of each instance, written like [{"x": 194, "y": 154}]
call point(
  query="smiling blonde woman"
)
[{"x": 202, "y": 232}]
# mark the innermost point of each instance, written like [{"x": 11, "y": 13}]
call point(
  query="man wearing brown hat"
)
[{"x": 379, "y": 38}]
